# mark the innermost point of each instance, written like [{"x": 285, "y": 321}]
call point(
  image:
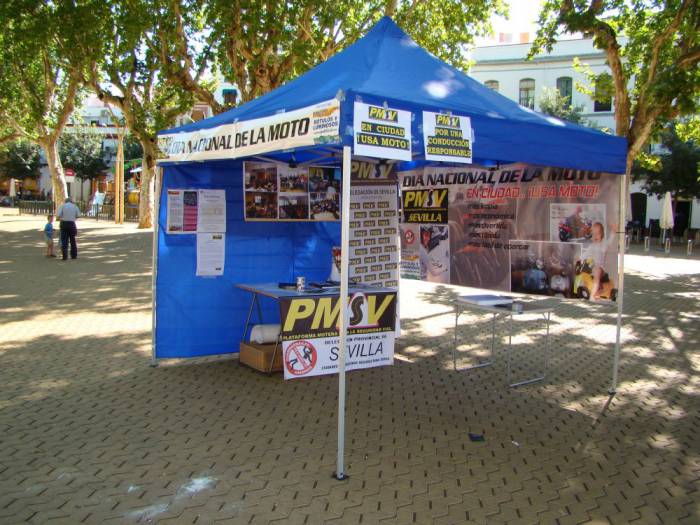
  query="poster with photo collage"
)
[{"x": 278, "y": 192}]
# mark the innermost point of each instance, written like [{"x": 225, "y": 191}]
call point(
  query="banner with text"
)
[
  {"x": 447, "y": 138},
  {"x": 317, "y": 124},
  {"x": 309, "y": 333},
  {"x": 520, "y": 228},
  {"x": 382, "y": 132}
]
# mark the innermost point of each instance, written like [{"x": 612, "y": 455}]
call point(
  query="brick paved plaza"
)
[{"x": 89, "y": 433}]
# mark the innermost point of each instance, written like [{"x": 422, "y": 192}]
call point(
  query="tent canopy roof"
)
[{"x": 386, "y": 64}]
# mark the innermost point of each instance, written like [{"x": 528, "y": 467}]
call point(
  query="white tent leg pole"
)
[
  {"x": 154, "y": 272},
  {"x": 344, "y": 270},
  {"x": 621, "y": 282}
]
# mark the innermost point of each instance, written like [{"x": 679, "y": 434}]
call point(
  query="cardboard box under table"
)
[{"x": 260, "y": 356}]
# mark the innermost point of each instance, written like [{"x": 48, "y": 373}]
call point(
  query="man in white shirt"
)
[{"x": 68, "y": 213}]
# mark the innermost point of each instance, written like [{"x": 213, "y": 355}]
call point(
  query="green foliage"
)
[
  {"x": 259, "y": 45},
  {"x": 81, "y": 150},
  {"x": 688, "y": 129},
  {"x": 553, "y": 103},
  {"x": 646, "y": 164},
  {"x": 127, "y": 74},
  {"x": 44, "y": 47},
  {"x": 677, "y": 170},
  {"x": 132, "y": 148},
  {"x": 20, "y": 160},
  {"x": 652, "y": 48}
]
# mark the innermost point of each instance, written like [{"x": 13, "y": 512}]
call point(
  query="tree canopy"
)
[
  {"x": 19, "y": 160},
  {"x": 677, "y": 171},
  {"x": 81, "y": 150},
  {"x": 129, "y": 76},
  {"x": 554, "y": 103},
  {"x": 652, "y": 48},
  {"x": 259, "y": 45},
  {"x": 44, "y": 47}
]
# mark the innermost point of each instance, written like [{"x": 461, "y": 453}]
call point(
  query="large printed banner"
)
[
  {"x": 520, "y": 228},
  {"x": 317, "y": 124},
  {"x": 310, "y": 340}
]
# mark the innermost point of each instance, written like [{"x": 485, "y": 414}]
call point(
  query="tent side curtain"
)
[{"x": 198, "y": 316}]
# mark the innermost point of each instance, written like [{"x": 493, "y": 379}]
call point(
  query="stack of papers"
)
[{"x": 486, "y": 300}]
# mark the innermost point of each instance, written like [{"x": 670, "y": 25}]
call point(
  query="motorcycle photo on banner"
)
[{"x": 519, "y": 228}]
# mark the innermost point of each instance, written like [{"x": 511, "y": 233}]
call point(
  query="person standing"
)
[
  {"x": 68, "y": 213},
  {"x": 48, "y": 236}
]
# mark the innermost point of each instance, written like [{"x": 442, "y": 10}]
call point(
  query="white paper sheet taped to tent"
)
[{"x": 317, "y": 124}]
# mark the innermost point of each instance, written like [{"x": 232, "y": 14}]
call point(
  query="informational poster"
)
[
  {"x": 381, "y": 132},
  {"x": 317, "y": 124},
  {"x": 447, "y": 137},
  {"x": 374, "y": 224},
  {"x": 211, "y": 213},
  {"x": 310, "y": 338},
  {"x": 211, "y": 254},
  {"x": 278, "y": 192},
  {"x": 194, "y": 211},
  {"x": 182, "y": 211},
  {"x": 519, "y": 228}
]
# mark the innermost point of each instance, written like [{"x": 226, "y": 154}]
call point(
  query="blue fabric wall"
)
[{"x": 198, "y": 316}]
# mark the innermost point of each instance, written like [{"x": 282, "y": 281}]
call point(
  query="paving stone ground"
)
[{"x": 89, "y": 433}]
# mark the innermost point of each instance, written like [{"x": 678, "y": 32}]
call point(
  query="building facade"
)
[{"x": 504, "y": 67}]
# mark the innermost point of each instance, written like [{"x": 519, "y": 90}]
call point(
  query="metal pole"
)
[
  {"x": 154, "y": 272},
  {"x": 344, "y": 271},
  {"x": 119, "y": 186},
  {"x": 117, "y": 178},
  {"x": 621, "y": 282}
]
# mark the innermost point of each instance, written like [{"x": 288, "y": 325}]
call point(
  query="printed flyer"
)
[
  {"x": 518, "y": 228},
  {"x": 211, "y": 212},
  {"x": 309, "y": 333},
  {"x": 381, "y": 132},
  {"x": 211, "y": 254},
  {"x": 447, "y": 137},
  {"x": 196, "y": 211}
]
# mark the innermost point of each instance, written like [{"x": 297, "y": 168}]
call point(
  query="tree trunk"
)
[
  {"x": 146, "y": 194},
  {"x": 58, "y": 179}
]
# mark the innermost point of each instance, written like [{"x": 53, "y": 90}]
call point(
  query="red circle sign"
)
[
  {"x": 300, "y": 358},
  {"x": 409, "y": 236}
]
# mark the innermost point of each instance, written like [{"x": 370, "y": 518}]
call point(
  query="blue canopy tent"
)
[{"x": 197, "y": 317}]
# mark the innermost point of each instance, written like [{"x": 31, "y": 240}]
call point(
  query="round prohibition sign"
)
[
  {"x": 300, "y": 358},
  {"x": 409, "y": 236}
]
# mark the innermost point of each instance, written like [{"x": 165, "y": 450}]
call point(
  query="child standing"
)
[{"x": 48, "y": 236}]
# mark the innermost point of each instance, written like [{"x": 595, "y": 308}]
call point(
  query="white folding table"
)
[{"x": 537, "y": 307}]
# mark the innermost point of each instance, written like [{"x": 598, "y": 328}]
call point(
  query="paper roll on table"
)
[{"x": 265, "y": 333}]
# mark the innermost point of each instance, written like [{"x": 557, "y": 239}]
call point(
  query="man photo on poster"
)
[{"x": 435, "y": 254}]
